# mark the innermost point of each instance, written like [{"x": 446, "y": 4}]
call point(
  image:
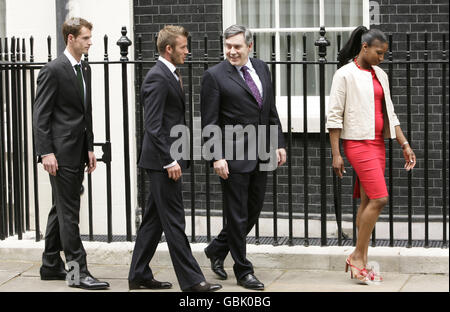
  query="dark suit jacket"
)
[
  {"x": 227, "y": 100},
  {"x": 62, "y": 123},
  {"x": 164, "y": 108}
]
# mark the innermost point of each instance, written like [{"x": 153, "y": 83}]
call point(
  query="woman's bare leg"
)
[{"x": 368, "y": 216}]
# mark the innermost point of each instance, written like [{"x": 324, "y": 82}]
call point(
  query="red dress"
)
[{"x": 368, "y": 157}]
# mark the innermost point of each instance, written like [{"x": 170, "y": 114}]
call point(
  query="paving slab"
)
[
  {"x": 427, "y": 283},
  {"x": 15, "y": 266},
  {"x": 5, "y": 277},
  {"x": 34, "y": 284},
  {"x": 332, "y": 281}
]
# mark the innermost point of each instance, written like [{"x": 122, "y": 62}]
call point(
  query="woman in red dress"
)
[{"x": 361, "y": 113}]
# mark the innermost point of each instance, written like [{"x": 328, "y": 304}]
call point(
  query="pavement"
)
[
  {"x": 22, "y": 276},
  {"x": 281, "y": 268}
]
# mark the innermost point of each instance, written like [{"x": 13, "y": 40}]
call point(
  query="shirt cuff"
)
[
  {"x": 47, "y": 154},
  {"x": 170, "y": 165}
]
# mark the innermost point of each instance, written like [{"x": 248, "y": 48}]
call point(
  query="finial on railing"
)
[
  {"x": 18, "y": 59},
  {"x": 140, "y": 47},
  {"x": 124, "y": 43},
  {"x": 31, "y": 49},
  {"x": 24, "y": 51},
  {"x": 49, "y": 46},
  {"x": 322, "y": 43},
  {"x": 13, "y": 49},
  {"x": 105, "y": 44}
]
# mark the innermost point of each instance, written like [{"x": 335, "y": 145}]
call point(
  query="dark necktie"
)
[
  {"x": 177, "y": 72},
  {"x": 80, "y": 80},
  {"x": 252, "y": 85}
]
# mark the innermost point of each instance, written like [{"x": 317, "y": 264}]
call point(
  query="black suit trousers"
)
[
  {"x": 243, "y": 201},
  {"x": 164, "y": 212},
  {"x": 63, "y": 232}
]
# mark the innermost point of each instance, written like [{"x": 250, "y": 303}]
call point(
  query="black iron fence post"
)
[
  {"x": 274, "y": 174},
  {"x": 391, "y": 156},
  {"x": 124, "y": 43},
  {"x": 289, "y": 146},
  {"x": 35, "y": 165},
  {"x": 25, "y": 138},
  {"x": 305, "y": 146},
  {"x": 207, "y": 163},
  {"x": 19, "y": 134},
  {"x": 107, "y": 144},
  {"x": 191, "y": 137},
  {"x": 255, "y": 55},
  {"x": 3, "y": 213},
  {"x": 425, "y": 141},
  {"x": 10, "y": 201},
  {"x": 408, "y": 117},
  {"x": 322, "y": 43},
  {"x": 15, "y": 143},
  {"x": 444, "y": 140}
]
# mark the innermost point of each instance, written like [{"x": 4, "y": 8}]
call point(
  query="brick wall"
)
[{"x": 397, "y": 18}]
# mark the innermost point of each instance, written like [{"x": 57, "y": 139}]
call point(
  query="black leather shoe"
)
[
  {"x": 217, "y": 267},
  {"x": 149, "y": 284},
  {"x": 251, "y": 282},
  {"x": 52, "y": 275},
  {"x": 91, "y": 283},
  {"x": 204, "y": 287}
]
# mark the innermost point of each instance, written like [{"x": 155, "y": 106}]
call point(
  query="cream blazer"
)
[{"x": 351, "y": 105}]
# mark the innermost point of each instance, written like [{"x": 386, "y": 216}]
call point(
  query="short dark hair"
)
[
  {"x": 168, "y": 35},
  {"x": 236, "y": 29},
  {"x": 73, "y": 27}
]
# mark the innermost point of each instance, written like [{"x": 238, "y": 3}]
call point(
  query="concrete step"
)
[{"x": 390, "y": 259}]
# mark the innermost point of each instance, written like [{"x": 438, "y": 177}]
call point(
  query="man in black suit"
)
[
  {"x": 238, "y": 92},
  {"x": 164, "y": 108},
  {"x": 62, "y": 123}
]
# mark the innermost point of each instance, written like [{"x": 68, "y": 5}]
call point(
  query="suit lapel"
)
[
  {"x": 72, "y": 76},
  {"x": 173, "y": 81},
  {"x": 234, "y": 75}
]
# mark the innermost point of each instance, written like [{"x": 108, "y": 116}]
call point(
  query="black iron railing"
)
[{"x": 17, "y": 78}]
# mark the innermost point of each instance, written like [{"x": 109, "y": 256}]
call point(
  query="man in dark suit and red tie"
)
[
  {"x": 164, "y": 108},
  {"x": 62, "y": 123},
  {"x": 238, "y": 92}
]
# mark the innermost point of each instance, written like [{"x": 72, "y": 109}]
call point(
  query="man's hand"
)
[
  {"x": 281, "y": 156},
  {"x": 50, "y": 164},
  {"x": 221, "y": 168},
  {"x": 92, "y": 163},
  {"x": 174, "y": 172}
]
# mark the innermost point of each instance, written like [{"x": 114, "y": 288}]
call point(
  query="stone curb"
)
[{"x": 390, "y": 259}]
